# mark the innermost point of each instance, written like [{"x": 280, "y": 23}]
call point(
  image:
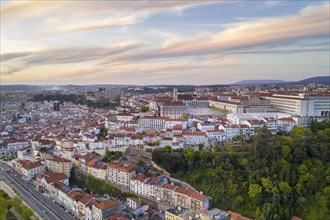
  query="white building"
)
[
  {"x": 16, "y": 144},
  {"x": 152, "y": 123},
  {"x": 286, "y": 124},
  {"x": 205, "y": 126},
  {"x": 137, "y": 184},
  {"x": 120, "y": 174},
  {"x": 29, "y": 169},
  {"x": 195, "y": 138},
  {"x": 302, "y": 104},
  {"x": 124, "y": 117}
]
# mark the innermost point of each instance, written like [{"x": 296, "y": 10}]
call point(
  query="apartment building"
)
[
  {"x": 29, "y": 169},
  {"x": 46, "y": 179},
  {"x": 195, "y": 138},
  {"x": 185, "y": 198},
  {"x": 124, "y": 117},
  {"x": 59, "y": 165},
  {"x": 137, "y": 184},
  {"x": 286, "y": 124},
  {"x": 302, "y": 104},
  {"x": 105, "y": 209},
  {"x": 173, "y": 109},
  {"x": 179, "y": 213},
  {"x": 14, "y": 145},
  {"x": 156, "y": 102},
  {"x": 120, "y": 174},
  {"x": 167, "y": 193},
  {"x": 152, "y": 123},
  {"x": 243, "y": 104}
]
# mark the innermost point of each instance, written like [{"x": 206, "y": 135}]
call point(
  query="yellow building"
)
[
  {"x": 179, "y": 213},
  {"x": 59, "y": 165}
]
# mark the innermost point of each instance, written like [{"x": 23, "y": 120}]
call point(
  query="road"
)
[{"x": 35, "y": 199}]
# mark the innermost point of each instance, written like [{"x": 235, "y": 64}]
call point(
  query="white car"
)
[{"x": 44, "y": 211}]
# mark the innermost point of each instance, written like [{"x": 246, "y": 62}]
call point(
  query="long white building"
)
[{"x": 317, "y": 105}]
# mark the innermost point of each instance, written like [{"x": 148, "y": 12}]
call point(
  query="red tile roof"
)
[
  {"x": 197, "y": 196},
  {"x": 196, "y": 133},
  {"x": 117, "y": 217},
  {"x": 51, "y": 177},
  {"x": 183, "y": 191},
  {"x": 122, "y": 167},
  {"x": 86, "y": 199},
  {"x": 237, "y": 216},
  {"x": 140, "y": 178},
  {"x": 107, "y": 204},
  {"x": 76, "y": 195},
  {"x": 169, "y": 186},
  {"x": 286, "y": 119},
  {"x": 154, "y": 180},
  {"x": 29, "y": 165}
]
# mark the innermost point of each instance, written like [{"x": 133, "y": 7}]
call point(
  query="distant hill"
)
[
  {"x": 317, "y": 79},
  {"x": 31, "y": 88},
  {"x": 259, "y": 82},
  {"x": 12, "y": 88}
]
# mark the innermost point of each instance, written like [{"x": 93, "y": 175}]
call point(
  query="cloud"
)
[
  {"x": 74, "y": 16},
  {"x": 94, "y": 25},
  {"x": 249, "y": 37},
  {"x": 61, "y": 56},
  {"x": 13, "y": 55}
]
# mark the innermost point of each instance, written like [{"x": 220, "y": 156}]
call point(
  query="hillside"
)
[
  {"x": 269, "y": 177},
  {"x": 317, "y": 79}
]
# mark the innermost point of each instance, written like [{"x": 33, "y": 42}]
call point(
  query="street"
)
[{"x": 35, "y": 199}]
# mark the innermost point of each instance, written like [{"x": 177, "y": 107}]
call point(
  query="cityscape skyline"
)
[{"x": 168, "y": 42}]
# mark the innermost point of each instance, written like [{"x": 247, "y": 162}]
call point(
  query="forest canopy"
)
[{"x": 268, "y": 177}]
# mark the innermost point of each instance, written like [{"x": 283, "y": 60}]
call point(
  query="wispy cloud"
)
[
  {"x": 74, "y": 16},
  {"x": 61, "y": 56},
  {"x": 251, "y": 36},
  {"x": 80, "y": 41}
]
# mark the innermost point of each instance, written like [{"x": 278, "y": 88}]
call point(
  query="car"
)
[{"x": 44, "y": 211}]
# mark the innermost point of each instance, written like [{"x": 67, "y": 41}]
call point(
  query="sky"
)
[{"x": 48, "y": 42}]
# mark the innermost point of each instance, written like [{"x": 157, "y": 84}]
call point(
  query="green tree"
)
[
  {"x": 144, "y": 108},
  {"x": 267, "y": 184},
  {"x": 140, "y": 163},
  {"x": 255, "y": 191},
  {"x": 285, "y": 188}
]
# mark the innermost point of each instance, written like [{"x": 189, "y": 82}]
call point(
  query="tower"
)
[
  {"x": 175, "y": 94},
  {"x": 56, "y": 106}
]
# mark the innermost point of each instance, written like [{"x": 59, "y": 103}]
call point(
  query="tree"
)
[
  {"x": 140, "y": 163},
  {"x": 255, "y": 191},
  {"x": 112, "y": 155},
  {"x": 262, "y": 142},
  {"x": 185, "y": 115},
  {"x": 267, "y": 184},
  {"x": 285, "y": 188},
  {"x": 144, "y": 108}
]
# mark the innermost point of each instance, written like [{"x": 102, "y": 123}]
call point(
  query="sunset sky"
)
[{"x": 162, "y": 42}]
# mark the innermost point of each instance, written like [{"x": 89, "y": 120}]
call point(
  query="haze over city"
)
[{"x": 162, "y": 42}]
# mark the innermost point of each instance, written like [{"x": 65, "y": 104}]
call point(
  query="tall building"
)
[
  {"x": 175, "y": 94},
  {"x": 115, "y": 93},
  {"x": 59, "y": 165},
  {"x": 56, "y": 106}
]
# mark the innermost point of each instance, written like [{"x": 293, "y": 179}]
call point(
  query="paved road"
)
[{"x": 36, "y": 200}]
